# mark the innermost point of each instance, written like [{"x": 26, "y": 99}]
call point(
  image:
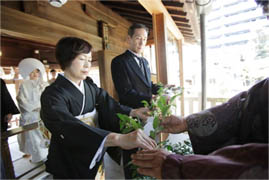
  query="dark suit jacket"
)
[{"x": 130, "y": 83}]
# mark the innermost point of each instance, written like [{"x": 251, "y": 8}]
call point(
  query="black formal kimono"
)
[
  {"x": 74, "y": 143},
  {"x": 7, "y": 105},
  {"x": 131, "y": 84}
]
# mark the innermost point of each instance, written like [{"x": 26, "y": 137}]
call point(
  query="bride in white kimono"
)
[{"x": 31, "y": 142}]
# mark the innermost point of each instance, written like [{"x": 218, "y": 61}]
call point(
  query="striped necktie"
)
[{"x": 140, "y": 59}]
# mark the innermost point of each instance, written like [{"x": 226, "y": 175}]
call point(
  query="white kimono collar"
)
[{"x": 79, "y": 87}]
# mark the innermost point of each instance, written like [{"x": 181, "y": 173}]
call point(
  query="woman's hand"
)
[{"x": 135, "y": 139}]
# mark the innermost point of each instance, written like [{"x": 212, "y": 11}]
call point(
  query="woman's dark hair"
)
[
  {"x": 68, "y": 48},
  {"x": 135, "y": 26}
]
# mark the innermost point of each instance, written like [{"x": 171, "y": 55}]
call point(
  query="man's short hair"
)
[
  {"x": 135, "y": 26},
  {"x": 68, "y": 48}
]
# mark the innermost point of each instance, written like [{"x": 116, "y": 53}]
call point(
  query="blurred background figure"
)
[
  {"x": 53, "y": 75},
  {"x": 31, "y": 142}
]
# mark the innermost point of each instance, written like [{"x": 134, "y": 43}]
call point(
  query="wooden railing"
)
[
  {"x": 193, "y": 104},
  {"x": 5, "y": 151}
]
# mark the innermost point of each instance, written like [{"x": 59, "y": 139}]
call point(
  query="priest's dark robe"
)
[
  {"x": 74, "y": 143},
  {"x": 240, "y": 121},
  {"x": 248, "y": 161}
]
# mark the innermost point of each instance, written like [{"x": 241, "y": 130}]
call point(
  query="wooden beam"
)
[
  {"x": 136, "y": 16},
  {"x": 174, "y": 8},
  {"x": 184, "y": 29},
  {"x": 138, "y": 13},
  {"x": 186, "y": 33},
  {"x": 172, "y": 3},
  {"x": 134, "y": 6},
  {"x": 155, "y": 7},
  {"x": 181, "y": 24},
  {"x": 177, "y": 12},
  {"x": 147, "y": 21},
  {"x": 116, "y": 8},
  {"x": 193, "y": 17},
  {"x": 101, "y": 12},
  {"x": 181, "y": 75},
  {"x": 73, "y": 11},
  {"x": 159, "y": 31},
  {"x": 18, "y": 24},
  {"x": 182, "y": 20}
]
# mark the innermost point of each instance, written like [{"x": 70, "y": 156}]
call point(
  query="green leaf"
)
[
  {"x": 121, "y": 125},
  {"x": 127, "y": 130},
  {"x": 160, "y": 91},
  {"x": 152, "y": 134},
  {"x": 145, "y": 103},
  {"x": 156, "y": 122},
  {"x": 174, "y": 97},
  {"x": 165, "y": 109},
  {"x": 123, "y": 117},
  {"x": 161, "y": 102},
  {"x": 169, "y": 147},
  {"x": 134, "y": 123}
]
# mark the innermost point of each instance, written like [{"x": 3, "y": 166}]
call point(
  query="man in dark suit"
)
[
  {"x": 131, "y": 77},
  {"x": 130, "y": 71}
]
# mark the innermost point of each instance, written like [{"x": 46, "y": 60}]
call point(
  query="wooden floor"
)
[{"x": 24, "y": 169}]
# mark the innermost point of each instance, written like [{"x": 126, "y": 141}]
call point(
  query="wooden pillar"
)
[
  {"x": 181, "y": 75},
  {"x": 104, "y": 60},
  {"x": 159, "y": 33}
]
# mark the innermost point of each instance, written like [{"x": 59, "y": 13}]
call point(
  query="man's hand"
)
[
  {"x": 150, "y": 162},
  {"x": 141, "y": 113},
  {"x": 169, "y": 86},
  {"x": 174, "y": 124}
]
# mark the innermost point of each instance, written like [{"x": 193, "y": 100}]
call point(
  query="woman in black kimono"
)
[{"x": 69, "y": 108}]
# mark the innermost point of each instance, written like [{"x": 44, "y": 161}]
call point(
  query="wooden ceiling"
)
[
  {"x": 133, "y": 11},
  {"x": 15, "y": 49}
]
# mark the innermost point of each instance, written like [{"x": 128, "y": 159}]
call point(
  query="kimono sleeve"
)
[
  {"x": 24, "y": 101},
  {"x": 243, "y": 119},
  {"x": 216, "y": 127},
  {"x": 69, "y": 131},
  {"x": 107, "y": 109},
  {"x": 249, "y": 161}
]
